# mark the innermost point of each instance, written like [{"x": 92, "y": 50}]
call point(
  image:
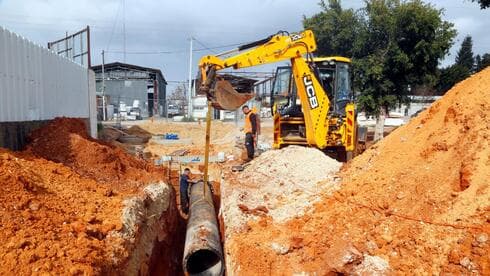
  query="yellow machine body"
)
[{"x": 316, "y": 123}]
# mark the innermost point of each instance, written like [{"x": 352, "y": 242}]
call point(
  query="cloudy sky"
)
[{"x": 166, "y": 25}]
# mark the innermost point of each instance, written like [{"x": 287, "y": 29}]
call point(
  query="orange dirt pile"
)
[
  {"x": 65, "y": 140},
  {"x": 417, "y": 202},
  {"x": 53, "y": 220},
  {"x": 57, "y": 216},
  {"x": 138, "y": 131}
]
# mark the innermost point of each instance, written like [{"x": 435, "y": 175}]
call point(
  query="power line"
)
[
  {"x": 176, "y": 51},
  {"x": 205, "y": 47},
  {"x": 113, "y": 26},
  {"x": 107, "y": 25}
]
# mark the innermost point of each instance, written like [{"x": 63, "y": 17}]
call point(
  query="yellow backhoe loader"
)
[{"x": 312, "y": 100}]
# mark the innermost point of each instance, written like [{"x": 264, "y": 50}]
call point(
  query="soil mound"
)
[
  {"x": 53, "y": 220},
  {"x": 280, "y": 184},
  {"x": 417, "y": 202},
  {"x": 65, "y": 141}
]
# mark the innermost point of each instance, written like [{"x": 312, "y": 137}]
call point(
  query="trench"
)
[{"x": 167, "y": 254}]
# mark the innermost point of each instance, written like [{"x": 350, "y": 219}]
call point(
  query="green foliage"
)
[
  {"x": 464, "y": 66},
  {"x": 482, "y": 62},
  {"x": 465, "y": 54},
  {"x": 451, "y": 75},
  {"x": 478, "y": 63},
  {"x": 483, "y": 3},
  {"x": 335, "y": 29},
  {"x": 395, "y": 45}
]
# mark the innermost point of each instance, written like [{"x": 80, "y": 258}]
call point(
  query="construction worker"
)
[
  {"x": 250, "y": 130},
  {"x": 184, "y": 190}
]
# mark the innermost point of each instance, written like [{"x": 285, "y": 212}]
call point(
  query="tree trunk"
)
[{"x": 380, "y": 126}]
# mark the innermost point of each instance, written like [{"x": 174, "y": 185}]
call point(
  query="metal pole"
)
[
  {"x": 206, "y": 148},
  {"x": 189, "y": 94},
  {"x": 124, "y": 30},
  {"x": 166, "y": 109},
  {"x": 89, "y": 55},
  {"x": 103, "y": 88}
]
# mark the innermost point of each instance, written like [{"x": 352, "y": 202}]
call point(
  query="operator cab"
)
[{"x": 332, "y": 72}]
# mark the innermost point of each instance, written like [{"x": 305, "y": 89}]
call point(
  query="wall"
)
[
  {"x": 162, "y": 96},
  {"x": 37, "y": 85},
  {"x": 126, "y": 91},
  {"x": 129, "y": 82},
  {"x": 92, "y": 104}
]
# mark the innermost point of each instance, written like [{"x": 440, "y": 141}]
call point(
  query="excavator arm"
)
[
  {"x": 314, "y": 102},
  {"x": 279, "y": 47},
  {"x": 275, "y": 48}
]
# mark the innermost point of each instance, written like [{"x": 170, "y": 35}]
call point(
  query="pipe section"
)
[{"x": 203, "y": 254}]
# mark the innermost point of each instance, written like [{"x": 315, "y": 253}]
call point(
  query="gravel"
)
[{"x": 287, "y": 182}]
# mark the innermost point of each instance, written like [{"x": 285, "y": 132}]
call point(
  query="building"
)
[{"x": 129, "y": 88}]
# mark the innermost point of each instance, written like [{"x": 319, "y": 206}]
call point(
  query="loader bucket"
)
[{"x": 225, "y": 97}]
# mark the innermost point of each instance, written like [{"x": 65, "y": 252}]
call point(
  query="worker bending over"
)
[
  {"x": 250, "y": 130},
  {"x": 184, "y": 190}
]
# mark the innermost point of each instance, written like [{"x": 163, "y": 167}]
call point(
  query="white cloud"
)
[{"x": 166, "y": 25}]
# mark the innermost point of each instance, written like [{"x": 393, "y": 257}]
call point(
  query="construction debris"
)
[{"x": 417, "y": 202}]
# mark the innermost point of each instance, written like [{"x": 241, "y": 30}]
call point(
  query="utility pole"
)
[
  {"x": 166, "y": 109},
  {"x": 189, "y": 94},
  {"x": 103, "y": 88},
  {"x": 124, "y": 30}
]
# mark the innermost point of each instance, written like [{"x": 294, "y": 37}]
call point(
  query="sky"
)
[{"x": 167, "y": 25}]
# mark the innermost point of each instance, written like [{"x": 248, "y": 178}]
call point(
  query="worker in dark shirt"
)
[
  {"x": 184, "y": 190},
  {"x": 250, "y": 129}
]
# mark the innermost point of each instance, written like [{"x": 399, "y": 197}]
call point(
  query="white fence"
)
[{"x": 37, "y": 84}]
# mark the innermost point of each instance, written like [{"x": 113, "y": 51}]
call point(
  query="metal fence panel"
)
[{"x": 37, "y": 84}]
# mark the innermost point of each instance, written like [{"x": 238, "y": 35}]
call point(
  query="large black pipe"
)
[{"x": 203, "y": 254}]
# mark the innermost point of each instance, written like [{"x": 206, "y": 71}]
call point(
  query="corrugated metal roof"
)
[{"x": 120, "y": 65}]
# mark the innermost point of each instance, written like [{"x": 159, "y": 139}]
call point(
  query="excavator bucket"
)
[
  {"x": 226, "y": 97},
  {"x": 227, "y": 92}
]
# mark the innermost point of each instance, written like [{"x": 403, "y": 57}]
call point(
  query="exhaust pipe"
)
[{"x": 203, "y": 254}]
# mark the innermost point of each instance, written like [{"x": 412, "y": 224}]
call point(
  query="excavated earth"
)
[
  {"x": 418, "y": 202},
  {"x": 70, "y": 204}
]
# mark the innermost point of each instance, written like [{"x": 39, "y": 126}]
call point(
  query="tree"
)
[
  {"x": 482, "y": 62},
  {"x": 478, "y": 63},
  {"x": 464, "y": 56},
  {"x": 335, "y": 29},
  {"x": 178, "y": 93},
  {"x": 463, "y": 67},
  {"x": 449, "y": 76},
  {"x": 485, "y": 61},
  {"x": 483, "y": 3},
  {"x": 178, "y": 97},
  {"x": 395, "y": 45}
]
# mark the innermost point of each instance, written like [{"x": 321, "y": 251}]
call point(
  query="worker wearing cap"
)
[{"x": 250, "y": 129}]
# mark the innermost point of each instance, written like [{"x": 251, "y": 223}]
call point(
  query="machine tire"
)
[{"x": 341, "y": 154}]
